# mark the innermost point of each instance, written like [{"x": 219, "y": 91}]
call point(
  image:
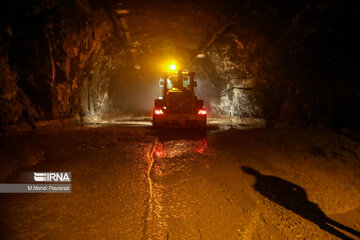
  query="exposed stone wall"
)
[
  {"x": 15, "y": 105},
  {"x": 244, "y": 62},
  {"x": 299, "y": 59},
  {"x": 58, "y": 59}
]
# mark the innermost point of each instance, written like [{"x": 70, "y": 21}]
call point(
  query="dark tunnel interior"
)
[
  {"x": 290, "y": 63},
  {"x": 179, "y": 119}
]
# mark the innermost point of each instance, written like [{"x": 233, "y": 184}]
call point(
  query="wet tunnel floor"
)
[{"x": 135, "y": 183}]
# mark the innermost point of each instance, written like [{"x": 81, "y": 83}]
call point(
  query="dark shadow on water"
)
[{"x": 294, "y": 198}]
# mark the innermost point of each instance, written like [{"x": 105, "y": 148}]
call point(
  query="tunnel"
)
[
  {"x": 290, "y": 64},
  {"x": 280, "y": 86}
]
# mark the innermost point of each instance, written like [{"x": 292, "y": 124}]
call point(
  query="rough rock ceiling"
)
[{"x": 277, "y": 60}]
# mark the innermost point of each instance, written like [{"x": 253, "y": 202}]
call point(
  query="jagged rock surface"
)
[
  {"x": 58, "y": 60},
  {"x": 288, "y": 63}
]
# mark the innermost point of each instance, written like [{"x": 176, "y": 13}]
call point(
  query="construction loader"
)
[{"x": 178, "y": 106}]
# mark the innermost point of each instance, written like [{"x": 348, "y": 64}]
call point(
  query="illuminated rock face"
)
[
  {"x": 272, "y": 64},
  {"x": 237, "y": 81},
  {"x": 57, "y": 60},
  {"x": 240, "y": 103}
]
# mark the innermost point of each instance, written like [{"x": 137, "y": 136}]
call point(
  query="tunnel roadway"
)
[{"x": 131, "y": 182}]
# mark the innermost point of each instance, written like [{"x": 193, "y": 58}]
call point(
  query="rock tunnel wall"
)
[
  {"x": 292, "y": 64},
  {"x": 57, "y": 58}
]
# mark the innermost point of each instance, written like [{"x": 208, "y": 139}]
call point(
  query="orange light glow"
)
[
  {"x": 204, "y": 145},
  {"x": 202, "y": 112},
  {"x": 158, "y": 111},
  {"x": 159, "y": 151}
]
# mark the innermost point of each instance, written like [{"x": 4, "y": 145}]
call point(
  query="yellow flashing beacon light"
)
[{"x": 172, "y": 67}]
